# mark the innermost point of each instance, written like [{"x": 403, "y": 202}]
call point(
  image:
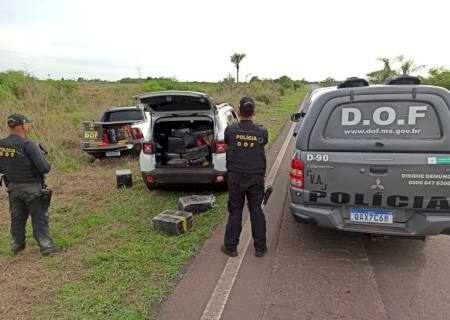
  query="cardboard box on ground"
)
[
  {"x": 176, "y": 222},
  {"x": 173, "y": 222},
  {"x": 124, "y": 178}
]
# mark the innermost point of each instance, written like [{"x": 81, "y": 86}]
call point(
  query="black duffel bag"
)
[{"x": 197, "y": 152}]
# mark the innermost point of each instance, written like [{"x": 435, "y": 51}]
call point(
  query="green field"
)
[{"x": 116, "y": 265}]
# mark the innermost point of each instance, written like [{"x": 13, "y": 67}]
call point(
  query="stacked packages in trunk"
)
[{"x": 186, "y": 147}]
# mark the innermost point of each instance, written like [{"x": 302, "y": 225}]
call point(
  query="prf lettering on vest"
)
[
  {"x": 246, "y": 141},
  {"x": 7, "y": 152}
]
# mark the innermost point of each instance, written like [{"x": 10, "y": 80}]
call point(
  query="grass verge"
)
[
  {"x": 116, "y": 266},
  {"x": 273, "y": 117},
  {"x": 122, "y": 266}
]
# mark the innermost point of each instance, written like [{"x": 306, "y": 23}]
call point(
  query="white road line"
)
[{"x": 219, "y": 297}]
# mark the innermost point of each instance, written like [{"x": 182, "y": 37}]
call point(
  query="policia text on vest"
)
[{"x": 23, "y": 165}]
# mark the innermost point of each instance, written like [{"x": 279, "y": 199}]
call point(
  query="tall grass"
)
[
  {"x": 116, "y": 266},
  {"x": 59, "y": 107}
]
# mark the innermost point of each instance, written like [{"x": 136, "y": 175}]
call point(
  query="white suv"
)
[{"x": 186, "y": 140}]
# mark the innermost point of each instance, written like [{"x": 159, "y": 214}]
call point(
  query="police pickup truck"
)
[
  {"x": 120, "y": 130},
  {"x": 374, "y": 159}
]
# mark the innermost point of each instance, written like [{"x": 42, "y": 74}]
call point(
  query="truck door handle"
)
[{"x": 378, "y": 170}]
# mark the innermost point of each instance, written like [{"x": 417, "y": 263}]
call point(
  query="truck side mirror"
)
[{"x": 297, "y": 116}]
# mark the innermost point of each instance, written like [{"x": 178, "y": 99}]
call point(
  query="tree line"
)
[{"x": 400, "y": 65}]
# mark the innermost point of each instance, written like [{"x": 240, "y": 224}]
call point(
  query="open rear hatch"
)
[
  {"x": 110, "y": 137},
  {"x": 183, "y": 130},
  {"x": 177, "y": 102},
  {"x": 114, "y": 132}
]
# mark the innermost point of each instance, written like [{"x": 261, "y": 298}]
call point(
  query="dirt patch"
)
[
  {"x": 4, "y": 214},
  {"x": 92, "y": 178},
  {"x": 21, "y": 283},
  {"x": 25, "y": 279}
]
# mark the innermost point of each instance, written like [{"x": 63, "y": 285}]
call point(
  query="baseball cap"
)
[
  {"x": 246, "y": 100},
  {"x": 17, "y": 119}
]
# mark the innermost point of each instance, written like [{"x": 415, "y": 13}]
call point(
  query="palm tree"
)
[
  {"x": 386, "y": 64},
  {"x": 408, "y": 66},
  {"x": 236, "y": 59},
  {"x": 380, "y": 76},
  {"x": 397, "y": 66}
]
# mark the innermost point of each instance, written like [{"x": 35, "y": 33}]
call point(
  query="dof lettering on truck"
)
[
  {"x": 383, "y": 116},
  {"x": 383, "y": 119}
]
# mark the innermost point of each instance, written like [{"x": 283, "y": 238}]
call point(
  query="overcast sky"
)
[{"x": 193, "y": 39}]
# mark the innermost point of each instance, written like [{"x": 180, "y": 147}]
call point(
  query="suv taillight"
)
[
  {"x": 297, "y": 173},
  {"x": 147, "y": 148},
  {"x": 221, "y": 147},
  {"x": 137, "y": 133}
]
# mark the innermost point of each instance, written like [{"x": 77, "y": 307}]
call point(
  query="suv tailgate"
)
[{"x": 377, "y": 180}]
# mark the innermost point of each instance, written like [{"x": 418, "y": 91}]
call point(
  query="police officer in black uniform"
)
[
  {"x": 23, "y": 165},
  {"x": 246, "y": 165}
]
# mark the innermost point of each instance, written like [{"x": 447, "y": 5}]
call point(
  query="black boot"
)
[
  {"x": 17, "y": 249},
  {"x": 51, "y": 251},
  {"x": 229, "y": 252},
  {"x": 260, "y": 252}
]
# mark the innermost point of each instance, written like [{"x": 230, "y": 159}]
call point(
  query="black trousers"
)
[
  {"x": 25, "y": 200},
  {"x": 241, "y": 187}
]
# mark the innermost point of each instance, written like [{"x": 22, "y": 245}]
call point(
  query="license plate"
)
[
  {"x": 371, "y": 216},
  {"x": 113, "y": 154}
]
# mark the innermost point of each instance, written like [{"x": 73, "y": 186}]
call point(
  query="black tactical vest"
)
[
  {"x": 15, "y": 163},
  {"x": 245, "y": 148}
]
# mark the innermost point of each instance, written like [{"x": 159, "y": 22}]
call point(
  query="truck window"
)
[
  {"x": 177, "y": 103},
  {"x": 408, "y": 120},
  {"x": 235, "y": 118},
  {"x": 231, "y": 118},
  {"x": 123, "y": 115}
]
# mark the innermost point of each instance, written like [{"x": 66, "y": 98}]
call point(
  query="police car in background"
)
[
  {"x": 374, "y": 159},
  {"x": 120, "y": 131}
]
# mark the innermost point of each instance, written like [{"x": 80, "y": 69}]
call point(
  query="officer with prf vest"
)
[
  {"x": 23, "y": 165},
  {"x": 246, "y": 166}
]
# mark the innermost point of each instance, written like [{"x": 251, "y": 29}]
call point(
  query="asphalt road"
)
[{"x": 314, "y": 273}]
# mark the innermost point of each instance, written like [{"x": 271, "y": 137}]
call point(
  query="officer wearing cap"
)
[
  {"x": 23, "y": 165},
  {"x": 246, "y": 166}
]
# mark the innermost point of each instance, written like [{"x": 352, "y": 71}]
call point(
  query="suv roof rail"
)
[
  {"x": 111, "y": 108},
  {"x": 402, "y": 80},
  {"x": 352, "y": 82},
  {"x": 224, "y": 104}
]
